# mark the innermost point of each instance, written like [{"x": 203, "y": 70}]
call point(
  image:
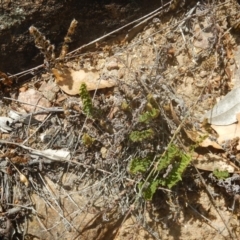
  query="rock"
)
[
  {"x": 203, "y": 74},
  {"x": 49, "y": 90},
  {"x": 33, "y": 98},
  {"x": 112, "y": 65}
]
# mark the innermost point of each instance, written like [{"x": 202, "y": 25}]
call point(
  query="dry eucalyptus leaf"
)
[
  {"x": 205, "y": 142},
  {"x": 70, "y": 80},
  {"x": 225, "y": 133},
  {"x": 225, "y": 111},
  {"x": 211, "y": 162},
  {"x": 208, "y": 142},
  {"x": 229, "y": 132}
]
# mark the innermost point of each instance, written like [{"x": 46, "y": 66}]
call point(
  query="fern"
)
[
  {"x": 139, "y": 165},
  {"x": 220, "y": 174},
  {"x": 139, "y": 136},
  {"x": 177, "y": 171},
  {"x": 86, "y": 100},
  {"x": 165, "y": 160},
  {"x": 174, "y": 156},
  {"x": 149, "y": 115},
  {"x": 149, "y": 190},
  {"x": 151, "y": 112}
]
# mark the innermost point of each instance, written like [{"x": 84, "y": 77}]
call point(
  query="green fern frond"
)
[
  {"x": 220, "y": 174},
  {"x": 165, "y": 160},
  {"x": 178, "y": 169},
  {"x": 152, "y": 101},
  {"x": 149, "y": 190},
  {"x": 179, "y": 161},
  {"x": 86, "y": 100},
  {"x": 139, "y": 165},
  {"x": 139, "y": 136},
  {"x": 149, "y": 115}
]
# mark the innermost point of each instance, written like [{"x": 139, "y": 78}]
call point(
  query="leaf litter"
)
[
  {"x": 226, "y": 110},
  {"x": 70, "y": 171}
]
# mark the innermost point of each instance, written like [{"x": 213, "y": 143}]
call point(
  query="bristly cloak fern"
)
[
  {"x": 139, "y": 136},
  {"x": 139, "y": 165},
  {"x": 174, "y": 157},
  {"x": 88, "y": 108},
  {"x": 179, "y": 164},
  {"x": 149, "y": 115}
]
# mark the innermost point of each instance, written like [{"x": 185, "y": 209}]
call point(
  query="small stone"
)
[
  {"x": 203, "y": 74},
  {"x": 49, "y": 90},
  {"x": 231, "y": 61},
  {"x": 112, "y": 65},
  {"x": 104, "y": 152}
]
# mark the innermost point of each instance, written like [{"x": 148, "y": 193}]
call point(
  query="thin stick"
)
[{"x": 41, "y": 154}]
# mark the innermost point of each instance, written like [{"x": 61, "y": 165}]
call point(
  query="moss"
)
[{"x": 17, "y": 15}]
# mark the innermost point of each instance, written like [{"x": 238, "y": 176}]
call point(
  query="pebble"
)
[
  {"x": 112, "y": 65},
  {"x": 203, "y": 74}
]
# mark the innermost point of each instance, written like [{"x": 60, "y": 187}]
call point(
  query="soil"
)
[
  {"x": 52, "y": 17},
  {"x": 67, "y": 162}
]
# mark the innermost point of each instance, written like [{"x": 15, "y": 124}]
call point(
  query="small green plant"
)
[
  {"x": 147, "y": 116},
  {"x": 180, "y": 161},
  {"x": 125, "y": 106},
  {"x": 151, "y": 100},
  {"x": 173, "y": 163},
  {"x": 167, "y": 158},
  {"x": 139, "y": 165},
  {"x": 149, "y": 189},
  {"x": 88, "y": 108},
  {"x": 151, "y": 110},
  {"x": 87, "y": 140},
  {"x": 220, "y": 174},
  {"x": 139, "y": 136}
]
